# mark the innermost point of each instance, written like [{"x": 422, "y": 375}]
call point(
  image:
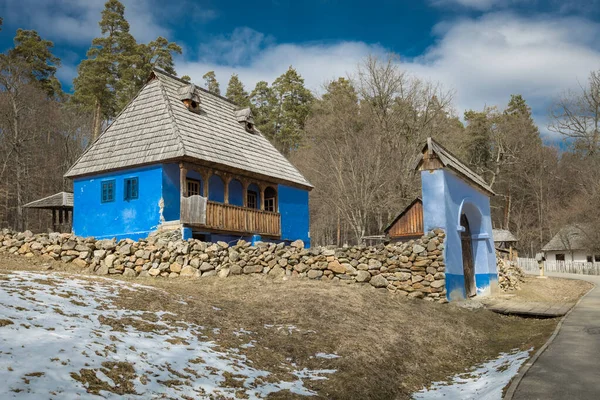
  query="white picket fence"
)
[{"x": 569, "y": 267}]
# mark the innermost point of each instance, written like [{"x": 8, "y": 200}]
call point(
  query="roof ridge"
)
[
  {"x": 63, "y": 195},
  {"x": 173, "y": 119},
  {"x": 155, "y": 69}
]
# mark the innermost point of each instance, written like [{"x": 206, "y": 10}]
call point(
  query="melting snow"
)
[
  {"x": 54, "y": 328},
  {"x": 327, "y": 356},
  {"x": 484, "y": 382}
]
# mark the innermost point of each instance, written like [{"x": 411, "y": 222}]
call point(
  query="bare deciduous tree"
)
[{"x": 577, "y": 115}]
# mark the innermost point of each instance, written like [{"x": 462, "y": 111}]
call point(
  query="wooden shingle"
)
[{"x": 157, "y": 127}]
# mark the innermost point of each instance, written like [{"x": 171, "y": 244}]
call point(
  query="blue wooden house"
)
[
  {"x": 180, "y": 157},
  {"x": 457, "y": 200}
]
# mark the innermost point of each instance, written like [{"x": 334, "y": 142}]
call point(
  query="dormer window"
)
[
  {"x": 189, "y": 97},
  {"x": 245, "y": 117}
]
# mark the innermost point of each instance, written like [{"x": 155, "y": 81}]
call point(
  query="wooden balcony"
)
[{"x": 197, "y": 212}]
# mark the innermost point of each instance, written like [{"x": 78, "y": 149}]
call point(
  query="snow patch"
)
[
  {"x": 484, "y": 382},
  {"x": 67, "y": 332},
  {"x": 327, "y": 356}
]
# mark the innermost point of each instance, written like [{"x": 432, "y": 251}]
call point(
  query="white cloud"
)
[
  {"x": 489, "y": 58},
  {"x": 484, "y": 60},
  {"x": 76, "y": 21},
  {"x": 255, "y": 57}
]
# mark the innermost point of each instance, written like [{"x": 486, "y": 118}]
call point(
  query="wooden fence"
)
[{"x": 569, "y": 267}]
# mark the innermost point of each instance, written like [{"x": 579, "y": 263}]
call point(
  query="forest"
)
[{"x": 356, "y": 140}]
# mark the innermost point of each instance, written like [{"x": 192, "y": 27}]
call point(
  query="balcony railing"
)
[{"x": 196, "y": 211}]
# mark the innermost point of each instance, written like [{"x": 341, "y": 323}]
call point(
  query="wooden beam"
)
[
  {"x": 205, "y": 178},
  {"x": 245, "y": 184},
  {"x": 226, "y": 181},
  {"x": 262, "y": 197},
  {"x": 182, "y": 179}
]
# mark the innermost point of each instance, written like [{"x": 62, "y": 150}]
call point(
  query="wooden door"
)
[{"x": 467, "y": 255}]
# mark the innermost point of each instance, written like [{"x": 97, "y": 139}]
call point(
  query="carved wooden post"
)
[
  {"x": 206, "y": 177},
  {"x": 226, "y": 180},
  {"x": 54, "y": 220},
  {"x": 182, "y": 180},
  {"x": 245, "y": 184},
  {"x": 262, "y": 197}
]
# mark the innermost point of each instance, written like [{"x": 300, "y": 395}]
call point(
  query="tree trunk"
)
[
  {"x": 97, "y": 121},
  {"x": 18, "y": 175},
  {"x": 507, "y": 205}
]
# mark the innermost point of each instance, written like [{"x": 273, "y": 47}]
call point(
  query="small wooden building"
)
[
  {"x": 408, "y": 224},
  {"x": 61, "y": 205},
  {"x": 505, "y": 243}
]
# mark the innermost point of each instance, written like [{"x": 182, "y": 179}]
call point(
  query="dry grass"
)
[
  {"x": 390, "y": 346},
  {"x": 549, "y": 290}
]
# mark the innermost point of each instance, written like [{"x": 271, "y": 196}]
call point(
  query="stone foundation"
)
[{"x": 415, "y": 268}]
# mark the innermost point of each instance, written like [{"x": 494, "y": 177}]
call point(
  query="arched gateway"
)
[{"x": 457, "y": 200}]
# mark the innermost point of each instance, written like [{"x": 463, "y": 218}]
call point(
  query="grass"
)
[
  {"x": 390, "y": 346},
  {"x": 550, "y": 290}
]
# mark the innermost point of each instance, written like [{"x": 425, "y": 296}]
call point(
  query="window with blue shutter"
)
[
  {"x": 108, "y": 191},
  {"x": 131, "y": 188}
]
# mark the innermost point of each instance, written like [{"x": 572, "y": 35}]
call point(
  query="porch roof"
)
[{"x": 61, "y": 200}]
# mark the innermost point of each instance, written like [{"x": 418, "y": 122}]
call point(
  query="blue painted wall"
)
[
  {"x": 159, "y": 201},
  {"x": 216, "y": 189},
  {"x": 121, "y": 218},
  {"x": 170, "y": 192},
  {"x": 294, "y": 210},
  {"x": 236, "y": 193},
  {"x": 457, "y": 196}
]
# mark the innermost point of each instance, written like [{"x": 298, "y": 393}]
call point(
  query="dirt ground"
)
[
  {"x": 389, "y": 346},
  {"x": 549, "y": 290}
]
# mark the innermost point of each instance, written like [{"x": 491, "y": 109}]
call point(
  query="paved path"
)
[{"x": 570, "y": 366}]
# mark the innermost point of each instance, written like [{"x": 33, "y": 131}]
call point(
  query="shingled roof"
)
[
  {"x": 449, "y": 160},
  {"x": 503, "y": 235},
  {"x": 157, "y": 127},
  {"x": 55, "y": 201},
  {"x": 570, "y": 237}
]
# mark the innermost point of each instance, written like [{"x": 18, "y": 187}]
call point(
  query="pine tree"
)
[
  {"x": 236, "y": 92},
  {"x": 211, "y": 83},
  {"x": 37, "y": 54},
  {"x": 99, "y": 77},
  {"x": 264, "y": 104},
  {"x": 117, "y": 66},
  {"x": 294, "y": 102}
]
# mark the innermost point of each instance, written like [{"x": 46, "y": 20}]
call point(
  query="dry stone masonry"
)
[{"x": 415, "y": 268}]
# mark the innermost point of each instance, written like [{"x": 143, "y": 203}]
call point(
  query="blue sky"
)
[{"x": 482, "y": 50}]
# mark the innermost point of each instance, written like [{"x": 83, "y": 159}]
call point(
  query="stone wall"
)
[{"x": 415, "y": 268}]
